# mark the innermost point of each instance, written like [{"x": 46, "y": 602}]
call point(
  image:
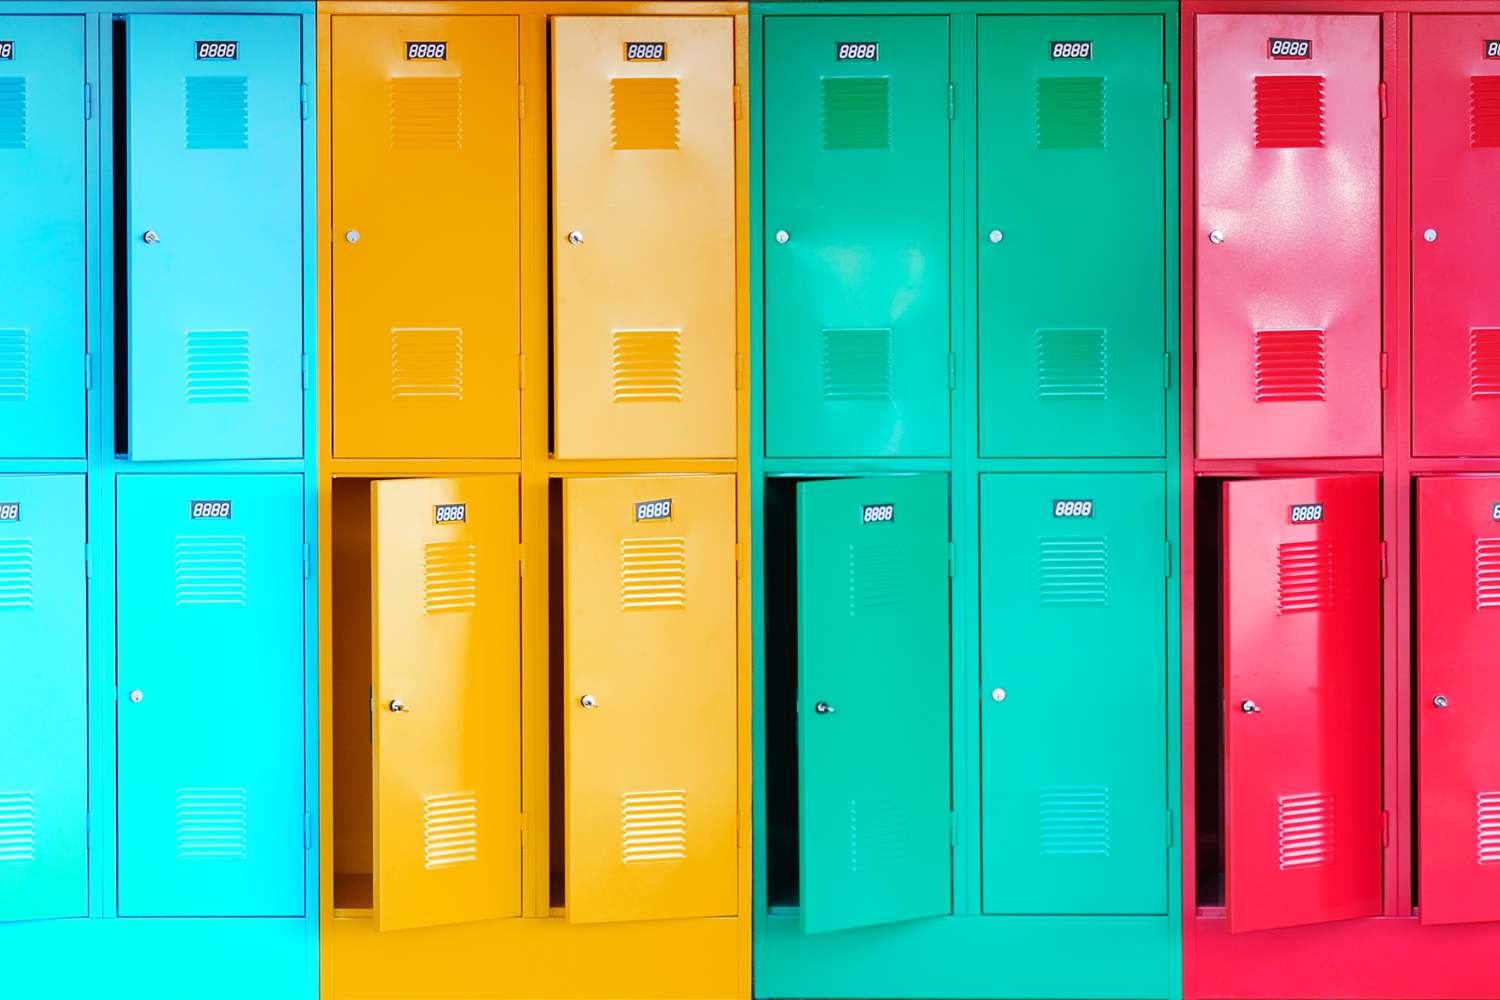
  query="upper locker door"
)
[
  {"x": 1287, "y": 238},
  {"x": 649, "y": 660},
  {"x": 42, "y": 264},
  {"x": 426, "y": 244},
  {"x": 446, "y": 607},
  {"x": 215, "y": 237},
  {"x": 1301, "y": 613},
  {"x": 873, "y": 701},
  {"x": 856, "y": 236},
  {"x": 1070, "y": 247},
  {"x": 643, "y": 245},
  {"x": 1458, "y": 698},
  {"x": 1073, "y": 666},
  {"x": 1456, "y": 225}
]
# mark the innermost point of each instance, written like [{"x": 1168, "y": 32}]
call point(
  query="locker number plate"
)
[
  {"x": 879, "y": 513},
  {"x": 645, "y": 51},
  {"x": 1289, "y": 48},
  {"x": 450, "y": 513},
  {"x": 8, "y": 50},
  {"x": 1494, "y": 513},
  {"x": 1491, "y": 48},
  {"x": 653, "y": 510},
  {"x": 858, "y": 51},
  {"x": 1306, "y": 513},
  {"x": 427, "y": 50},
  {"x": 218, "y": 50},
  {"x": 218, "y": 510},
  {"x": 1072, "y": 50},
  {"x": 1072, "y": 508},
  {"x": 12, "y": 511}
]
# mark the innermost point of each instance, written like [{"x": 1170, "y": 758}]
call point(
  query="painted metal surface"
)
[
  {"x": 873, "y": 662},
  {"x": 42, "y": 238},
  {"x": 643, "y": 241},
  {"x": 212, "y": 820},
  {"x": 1287, "y": 237},
  {"x": 1457, "y": 699},
  {"x": 426, "y": 241},
  {"x": 43, "y": 630},
  {"x": 649, "y": 687},
  {"x": 1071, "y": 236},
  {"x": 1073, "y": 626},
  {"x": 1455, "y": 249},
  {"x": 1302, "y": 669},
  {"x": 214, "y": 237},
  {"x": 857, "y": 299}
]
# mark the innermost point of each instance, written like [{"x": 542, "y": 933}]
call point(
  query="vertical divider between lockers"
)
[
  {"x": 746, "y": 227},
  {"x": 1177, "y": 382},
  {"x": 963, "y": 480}
]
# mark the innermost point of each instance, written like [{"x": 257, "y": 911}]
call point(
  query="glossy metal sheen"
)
[
  {"x": 1458, "y": 698},
  {"x": 857, "y": 307},
  {"x": 1288, "y": 306},
  {"x": 1301, "y": 613},
  {"x": 1456, "y": 296},
  {"x": 872, "y": 613}
]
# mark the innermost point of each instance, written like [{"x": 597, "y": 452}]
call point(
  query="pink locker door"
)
[
  {"x": 1287, "y": 237},
  {"x": 1301, "y": 596},
  {"x": 1458, "y": 698},
  {"x": 1456, "y": 233}
]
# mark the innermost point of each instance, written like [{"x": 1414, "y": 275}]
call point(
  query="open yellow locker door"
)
[{"x": 445, "y": 570}]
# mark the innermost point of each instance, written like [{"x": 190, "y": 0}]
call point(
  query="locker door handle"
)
[
  {"x": 1441, "y": 701},
  {"x": 150, "y": 237},
  {"x": 588, "y": 701},
  {"x": 1249, "y": 707},
  {"x": 1216, "y": 237},
  {"x": 575, "y": 237},
  {"x": 397, "y": 705},
  {"x": 823, "y": 708}
]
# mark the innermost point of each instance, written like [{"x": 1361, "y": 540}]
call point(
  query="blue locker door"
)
[
  {"x": 44, "y": 674},
  {"x": 211, "y": 695},
  {"x": 42, "y": 276},
  {"x": 215, "y": 236}
]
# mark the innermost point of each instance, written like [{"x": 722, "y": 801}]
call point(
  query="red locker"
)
[
  {"x": 1458, "y": 698},
  {"x": 1456, "y": 234},
  {"x": 1301, "y": 596},
  {"x": 1287, "y": 237}
]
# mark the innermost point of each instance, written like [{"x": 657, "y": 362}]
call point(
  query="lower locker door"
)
[
  {"x": 210, "y": 709},
  {"x": 649, "y": 660},
  {"x": 44, "y": 673},
  {"x": 1301, "y": 613},
  {"x": 1458, "y": 698},
  {"x": 873, "y": 701},
  {"x": 446, "y": 577},
  {"x": 1073, "y": 717}
]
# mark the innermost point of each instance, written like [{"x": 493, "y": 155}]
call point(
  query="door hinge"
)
[
  {"x": 88, "y": 831},
  {"x": 952, "y": 371},
  {"x": 521, "y": 822},
  {"x": 306, "y": 560},
  {"x": 307, "y": 831},
  {"x": 88, "y": 561},
  {"x": 1382, "y": 560},
  {"x": 521, "y": 370},
  {"x": 1385, "y": 369},
  {"x": 88, "y": 101},
  {"x": 1171, "y": 828},
  {"x": 371, "y": 689},
  {"x": 521, "y": 563},
  {"x": 952, "y": 829},
  {"x": 1384, "y": 105},
  {"x": 306, "y": 368},
  {"x": 739, "y": 560},
  {"x": 302, "y": 101},
  {"x": 1167, "y": 565},
  {"x": 952, "y": 554},
  {"x": 739, "y": 829},
  {"x": 952, "y": 102},
  {"x": 736, "y": 98},
  {"x": 1385, "y": 828},
  {"x": 88, "y": 371},
  {"x": 1166, "y": 101},
  {"x": 1166, "y": 371},
  {"x": 521, "y": 101},
  {"x": 739, "y": 372}
]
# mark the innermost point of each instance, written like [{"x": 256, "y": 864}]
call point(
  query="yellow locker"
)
[
  {"x": 445, "y": 623},
  {"x": 644, "y": 236},
  {"x": 426, "y": 236},
  {"x": 649, "y": 663}
]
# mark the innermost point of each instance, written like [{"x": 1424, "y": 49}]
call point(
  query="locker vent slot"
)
[
  {"x": 211, "y": 570},
  {"x": 1487, "y": 822},
  {"x": 450, "y": 830},
  {"x": 1288, "y": 112},
  {"x": 1484, "y": 112},
  {"x": 653, "y": 826},
  {"x": 450, "y": 579},
  {"x": 218, "y": 112},
  {"x": 880, "y": 834},
  {"x": 1290, "y": 366},
  {"x": 876, "y": 582},
  {"x": 15, "y": 366},
  {"x": 1075, "y": 821},
  {"x": 1487, "y": 574},
  {"x": 1072, "y": 364},
  {"x": 857, "y": 365},
  {"x": 1074, "y": 572},
  {"x": 857, "y": 112},
  {"x": 212, "y": 824},
  {"x": 1304, "y": 831},
  {"x": 1484, "y": 363},
  {"x": 17, "y": 828},
  {"x": 653, "y": 574},
  {"x": 426, "y": 112},
  {"x": 643, "y": 112},
  {"x": 1070, "y": 112},
  {"x": 1304, "y": 577},
  {"x": 218, "y": 366},
  {"x": 17, "y": 570},
  {"x": 13, "y": 112},
  {"x": 646, "y": 366},
  {"x": 427, "y": 363}
]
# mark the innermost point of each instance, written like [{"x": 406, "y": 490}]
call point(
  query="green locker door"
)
[
  {"x": 873, "y": 690},
  {"x": 1073, "y": 674},
  {"x": 856, "y": 236},
  {"x": 1071, "y": 236}
]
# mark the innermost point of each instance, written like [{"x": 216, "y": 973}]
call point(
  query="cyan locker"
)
[
  {"x": 210, "y": 579},
  {"x": 215, "y": 107},
  {"x": 42, "y": 263},
  {"x": 44, "y": 673}
]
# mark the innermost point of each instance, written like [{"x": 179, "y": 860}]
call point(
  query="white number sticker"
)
[
  {"x": 427, "y": 50},
  {"x": 879, "y": 513},
  {"x": 218, "y": 50},
  {"x": 645, "y": 51},
  {"x": 1072, "y": 50},
  {"x": 450, "y": 513},
  {"x": 1307, "y": 513},
  {"x": 860, "y": 51},
  {"x": 217, "y": 509},
  {"x": 1072, "y": 508},
  {"x": 12, "y": 511},
  {"x": 653, "y": 510}
]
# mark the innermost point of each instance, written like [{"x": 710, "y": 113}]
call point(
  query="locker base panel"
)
[
  {"x": 160, "y": 958},
  {"x": 959, "y": 957},
  {"x": 532, "y": 959}
]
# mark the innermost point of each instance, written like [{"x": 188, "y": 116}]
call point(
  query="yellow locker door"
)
[
  {"x": 649, "y": 658},
  {"x": 644, "y": 236},
  {"x": 426, "y": 217},
  {"x": 445, "y": 568}
]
